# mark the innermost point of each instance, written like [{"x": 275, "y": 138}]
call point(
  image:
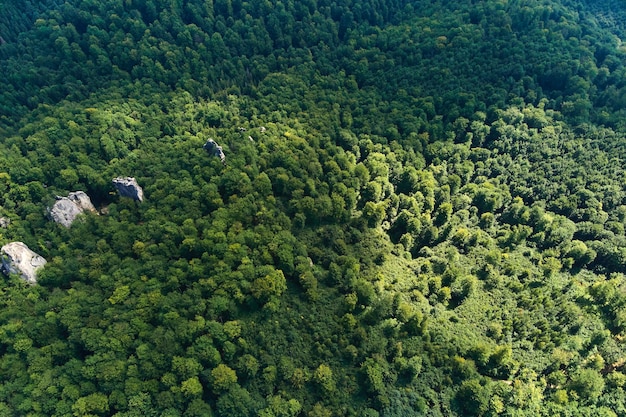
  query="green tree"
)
[
  {"x": 191, "y": 387},
  {"x": 270, "y": 286},
  {"x": 97, "y": 404},
  {"x": 473, "y": 398},
  {"x": 587, "y": 384},
  {"x": 323, "y": 375},
  {"x": 222, "y": 378}
]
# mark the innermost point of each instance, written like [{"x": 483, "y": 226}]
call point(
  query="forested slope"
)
[{"x": 421, "y": 211}]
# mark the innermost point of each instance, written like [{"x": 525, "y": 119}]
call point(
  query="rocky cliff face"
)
[
  {"x": 17, "y": 258},
  {"x": 214, "y": 149},
  {"x": 66, "y": 209},
  {"x": 128, "y": 187}
]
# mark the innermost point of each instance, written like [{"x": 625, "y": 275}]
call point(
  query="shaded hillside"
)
[
  {"x": 17, "y": 17},
  {"x": 610, "y": 14},
  {"x": 459, "y": 57}
]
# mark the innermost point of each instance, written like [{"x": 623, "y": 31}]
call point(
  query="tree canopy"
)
[{"x": 421, "y": 210}]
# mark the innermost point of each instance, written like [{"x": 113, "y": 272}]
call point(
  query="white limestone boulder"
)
[
  {"x": 17, "y": 258},
  {"x": 66, "y": 209}
]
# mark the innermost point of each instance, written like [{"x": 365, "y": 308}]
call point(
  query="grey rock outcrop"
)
[
  {"x": 4, "y": 222},
  {"x": 17, "y": 258},
  {"x": 214, "y": 149},
  {"x": 82, "y": 200},
  {"x": 66, "y": 209},
  {"x": 128, "y": 187}
]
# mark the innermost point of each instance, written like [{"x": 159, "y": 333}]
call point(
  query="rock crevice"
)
[{"x": 128, "y": 187}]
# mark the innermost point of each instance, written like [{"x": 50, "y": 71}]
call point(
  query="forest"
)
[{"x": 420, "y": 211}]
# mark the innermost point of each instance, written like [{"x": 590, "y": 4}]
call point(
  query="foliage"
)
[{"x": 421, "y": 210}]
